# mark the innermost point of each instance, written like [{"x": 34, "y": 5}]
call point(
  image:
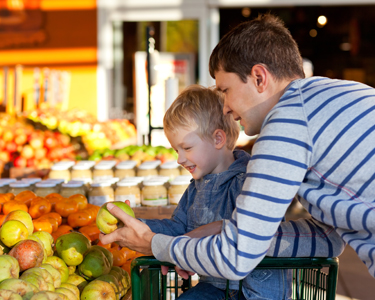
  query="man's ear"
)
[
  {"x": 260, "y": 75},
  {"x": 220, "y": 138}
]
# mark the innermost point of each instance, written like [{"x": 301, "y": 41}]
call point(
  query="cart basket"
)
[{"x": 314, "y": 278}]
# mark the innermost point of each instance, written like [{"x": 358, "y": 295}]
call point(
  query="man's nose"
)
[{"x": 226, "y": 109}]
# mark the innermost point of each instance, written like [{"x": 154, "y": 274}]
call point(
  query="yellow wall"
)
[{"x": 66, "y": 40}]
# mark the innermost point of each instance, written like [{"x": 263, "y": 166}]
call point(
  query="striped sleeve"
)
[{"x": 281, "y": 157}]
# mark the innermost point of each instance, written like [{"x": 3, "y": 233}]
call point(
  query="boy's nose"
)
[{"x": 181, "y": 159}]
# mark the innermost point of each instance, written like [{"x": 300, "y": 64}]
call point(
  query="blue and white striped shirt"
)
[{"x": 317, "y": 142}]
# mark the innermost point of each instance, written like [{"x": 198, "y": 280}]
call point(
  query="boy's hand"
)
[
  {"x": 134, "y": 234},
  {"x": 206, "y": 230}
]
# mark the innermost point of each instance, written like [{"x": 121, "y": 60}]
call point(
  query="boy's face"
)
[
  {"x": 242, "y": 100},
  {"x": 199, "y": 157}
]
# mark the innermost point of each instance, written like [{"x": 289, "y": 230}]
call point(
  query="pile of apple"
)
[
  {"x": 95, "y": 135},
  {"x": 25, "y": 146},
  {"x": 32, "y": 267}
]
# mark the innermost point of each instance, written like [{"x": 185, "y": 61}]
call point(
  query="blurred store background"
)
[{"x": 78, "y": 77}]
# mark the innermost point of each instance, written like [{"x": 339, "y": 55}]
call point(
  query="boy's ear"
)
[
  {"x": 260, "y": 76},
  {"x": 220, "y": 138}
]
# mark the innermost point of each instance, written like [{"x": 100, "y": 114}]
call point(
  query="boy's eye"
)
[{"x": 187, "y": 148}]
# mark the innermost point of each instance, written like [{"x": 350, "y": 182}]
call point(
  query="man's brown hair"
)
[
  {"x": 264, "y": 40},
  {"x": 203, "y": 107}
]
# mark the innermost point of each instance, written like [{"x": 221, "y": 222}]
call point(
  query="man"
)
[{"x": 316, "y": 140}]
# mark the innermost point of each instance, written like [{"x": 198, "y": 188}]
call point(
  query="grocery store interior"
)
[{"x": 84, "y": 85}]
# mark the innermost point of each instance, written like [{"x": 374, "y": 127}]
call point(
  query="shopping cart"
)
[{"x": 313, "y": 278}]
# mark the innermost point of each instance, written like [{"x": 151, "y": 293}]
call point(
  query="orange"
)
[
  {"x": 13, "y": 205},
  {"x": 54, "y": 215},
  {"x": 79, "y": 219},
  {"x": 106, "y": 246},
  {"x": 25, "y": 197},
  {"x": 91, "y": 230},
  {"x": 10, "y": 196},
  {"x": 39, "y": 207},
  {"x": 52, "y": 220},
  {"x": 2, "y": 217},
  {"x": 42, "y": 225},
  {"x": 80, "y": 199},
  {"x": 63, "y": 229},
  {"x": 65, "y": 207},
  {"x": 119, "y": 257}
]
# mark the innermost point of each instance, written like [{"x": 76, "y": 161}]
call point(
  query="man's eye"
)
[{"x": 224, "y": 91}]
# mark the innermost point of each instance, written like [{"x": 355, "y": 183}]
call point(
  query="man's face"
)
[{"x": 242, "y": 100}]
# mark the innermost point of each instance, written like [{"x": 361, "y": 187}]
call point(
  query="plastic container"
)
[
  {"x": 60, "y": 171},
  {"x": 43, "y": 188},
  {"x": 100, "y": 193},
  {"x": 154, "y": 193},
  {"x": 128, "y": 190},
  {"x": 18, "y": 187},
  {"x": 72, "y": 188},
  {"x": 310, "y": 281},
  {"x": 125, "y": 169},
  {"x": 170, "y": 169},
  {"x": 177, "y": 188}
]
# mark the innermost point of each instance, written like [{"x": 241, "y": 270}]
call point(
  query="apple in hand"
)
[
  {"x": 12, "y": 232},
  {"x": 9, "y": 267},
  {"x": 108, "y": 223}
]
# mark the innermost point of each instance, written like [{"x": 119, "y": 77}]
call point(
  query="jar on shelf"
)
[
  {"x": 128, "y": 190},
  {"x": 72, "y": 188},
  {"x": 177, "y": 188},
  {"x": 89, "y": 163},
  {"x": 32, "y": 182},
  {"x": 18, "y": 187},
  {"x": 102, "y": 171},
  {"x": 4, "y": 184},
  {"x": 170, "y": 169},
  {"x": 60, "y": 171},
  {"x": 58, "y": 181},
  {"x": 43, "y": 188},
  {"x": 100, "y": 193},
  {"x": 125, "y": 169},
  {"x": 154, "y": 193},
  {"x": 148, "y": 168},
  {"x": 81, "y": 171}
]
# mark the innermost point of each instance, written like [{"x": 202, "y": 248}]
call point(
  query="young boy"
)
[{"x": 204, "y": 139}]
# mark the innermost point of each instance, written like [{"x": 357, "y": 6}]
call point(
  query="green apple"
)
[
  {"x": 60, "y": 266},
  {"x": 94, "y": 264},
  {"x": 36, "y": 280},
  {"x": 25, "y": 289},
  {"x": 46, "y": 295},
  {"x": 113, "y": 282},
  {"x": 56, "y": 275},
  {"x": 98, "y": 290},
  {"x": 108, "y": 254},
  {"x": 12, "y": 232},
  {"x": 71, "y": 247},
  {"x": 78, "y": 281},
  {"x": 108, "y": 223},
  {"x": 46, "y": 239},
  {"x": 22, "y": 216},
  {"x": 9, "y": 267},
  {"x": 72, "y": 288},
  {"x": 72, "y": 269},
  {"x": 9, "y": 295},
  {"x": 44, "y": 274},
  {"x": 67, "y": 293}
]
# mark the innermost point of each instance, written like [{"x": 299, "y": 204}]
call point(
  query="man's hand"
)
[
  {"x": 135, "y": 234},
  {"x": 202, "y": 231},
  {"x": 206, "y": 230},
  {"x": 184, "y": 274}
]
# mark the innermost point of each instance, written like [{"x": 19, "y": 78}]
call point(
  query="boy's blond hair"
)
[{"x": 204, "y": 107}]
